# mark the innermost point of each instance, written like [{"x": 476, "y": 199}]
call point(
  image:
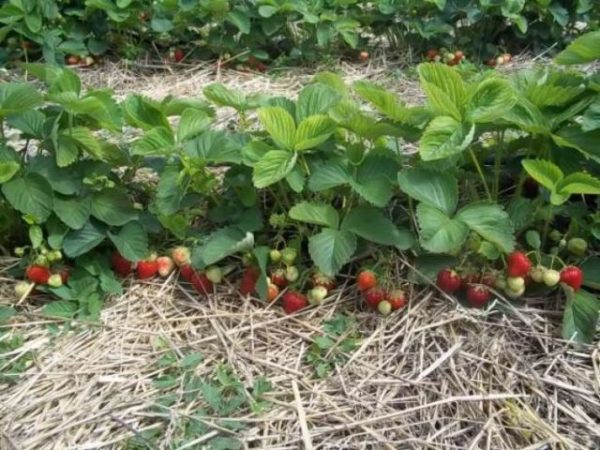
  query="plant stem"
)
[
  {"x": 480, "y": 172},
  {"x": 498, "y": 164},
  {"x": 547, "y": 223}
]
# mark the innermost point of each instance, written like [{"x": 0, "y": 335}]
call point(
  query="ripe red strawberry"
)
[
  {"x": 120, "y": 265},
  {"x": 147, "y": 269},
  {"x": 478, "y": 296},
  {"x": 202, "y": 284},
  {"x": 165, "y": 266},
  {"x": 397, "y": 299},
  {"x": 366, "y": 279},
  {"x": 572, "y": 276},
  {"x": 178, "y": 55},
  {"x": 320, "y": 279},
  {"x": 38, "y": 274},
  {"x": 278, "y": 278},
  {"x": 187, "y": 272},
  {"x": 181, "y": 256},
  {"x": 374, "y": 295},
  {"x": 249, "y": 279},
  {"x": 519, "y": 264},
  {"x": 294, "y": 301},
  {"x": 448, "y": 281}
]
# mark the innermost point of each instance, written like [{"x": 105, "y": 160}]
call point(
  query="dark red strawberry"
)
[
  {"x": 397, "y": 299},
  {"x": 120, "y": 265},
  {"x": 178, "y": 55},
  {"x": 38, "y": 274},
  {"x": 278, "y": 278},
  {"x": 478, "y": 295},
  {"x": 518, "y": 264},
  {"x": 374, "y": 295},
  {"x": 249, "y": 279},
  {"x": 202, "y": 284},
  {"x": 294, "y": 301},
  {"x": 147, "y": 269},
  {"x": 571, "y": 276},
  {"x": 448, "y": 281},
  {"x": 64, "y": 274},
  {"x": 187, "y": 272}
]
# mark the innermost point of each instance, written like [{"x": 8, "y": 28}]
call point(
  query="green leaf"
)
[
  {"x": 63, "y": 309},
  {"x": 374, "y": 179},
  {"x": 591, "y": 272},
  {"x": 279, "y": 124},
  {"x": 578, "y": 183},
  {"x": 8, "y": 169},
  {"x": 371, "y": 224},
  {"x": 113, "y": 207},
  {"x": 72, "y": 211},
  {"x": 490, "y": 101},
  {"x": 440, "y": 233},
  {"x": 328, "y": 175},
  {"x": 580, "y": 316},
  {"x": 64, "y": 181},
  {"x": 584, "y": 142},
  {"x": 30, "y": 194},
  {"x": 272, "y": 167},
  {"x": 445, "y": 137},
  {"x": 169, "y": 193},
  {"x": 261, "y": 255},
  {"x": 582, "y": 50},
  {"x": 533, "y": 239},
  {"x": 313, "y": 131},
  {"x": 434, "y": 188},
  {"x": 239, "y": 19},
  {"x": 36, "y": 236},
  {"x": 131, "y": 241},
  {"x": 315, "y": 213},
  {"x": 78, "y": 242},
  {"x": 155, "y": 142},
  {"x": 221, "y": 244},
  {"x": 144, "y": 113},
  {"x": 191, "y": 124},
  {"x": 315, "y": 99},
  {"x": 223, "y": 96},
  {"x": 18, "y": 97},
  {"x": 445, "y": 89},
  {"x": 331, "y": 249},
  {"x": 387, "y": 103},
  {"x": 544, "y": 172},
  {"x": 491, "y": 222}
]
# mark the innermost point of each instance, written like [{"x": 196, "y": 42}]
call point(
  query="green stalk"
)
[{"x": 480, "y": 172}]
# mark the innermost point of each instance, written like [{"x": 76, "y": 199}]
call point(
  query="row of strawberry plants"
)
[
  {"x": 503, "y": 189},
  {"x": 266, "y": 29}
]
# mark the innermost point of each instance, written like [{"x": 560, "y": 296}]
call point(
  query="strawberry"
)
[
  {"x": 448, "y": 281},
  {"x": 294, "y": 301},
  {"x": 272, "y": 292},
  {"x": 519, "y": 264},
  {"x": 320, "y": 279},
  {"x": 363, "y": 56},
  {"x": 551, "y": 277},
  {"x": 278, "y": 278},
  {"x": 515, "y": 283},
  {"x": 459, "y": 55},
  {"x": 577, "y": 246},
  {"x": 55, "y": 281},
  {"x": 202, "y": 284},
  {"x": 384, "y": 307},
  {"x": 289, "y": 255},
  {"x": 572, "y": 276},
  {"x": 147, "y": 269},
  {"x": 178, "y": 55},
  {"x": 292, "y": 274},
  {"x": 512, "y": 293},
  {"x": 214, "y": 274},
  {"x": 374, "y": 295},
  {"x": 72, "y": 60},
  {"x": 537, "y": 273},
  {"x": 187, "y": 272},
  {"x": 316, "y": 295},
  {"x": 432, "y": 54},
  {"x": 37, "y": 274},
  {"x": 120, "y": 265},
  {"x": 366, "y": 280},
  {"x": 397, "y": 299},
  {"x": 88, "y": 61},
  {"x": 64, "y": 274},
  {"x": 165, "y": 266},
  {"x": 249, "y": 279},
  {"x": 275, "y": 255},
  {"x": 181, "y": 256},
  {"x": 22, "y": 288},
  {"x": 478, "y": 296}
]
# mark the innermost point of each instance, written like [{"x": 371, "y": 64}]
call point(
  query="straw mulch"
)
[{"x": 432, "y": 376}]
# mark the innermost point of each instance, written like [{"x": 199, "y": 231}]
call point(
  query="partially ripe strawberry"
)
[
  {"x": 374, "y": 295},
  {"x": 320, "y": 279},
  {"x": 316, "y": 295},
  {"x": 22, "y": 288},
  {"x": 292, "y": 274},
  {"x": 363, "y": 56},
  {"x": 187, "y": 272},
  {"x": 506, "y": 58},
  {"x": 499, "y": 60},
  {"x": 384, "y": 307},
  {"x": 37, "y": 274},
  {"x": 294, "y": 301},
  {"x": 120, "y": 265},
  {"x": 459, "y": 55},
  {"x": 272, "y": 292},
  {"x": 55, "y": 281},
  {"x": 519, "y": 264},
  {"x": 147, "y": 269},
  {"x": 165, "y": 266},
  {"x": 72, "y": 60},
  {"x": 249, "y": 279},
  {"x": 572, "y": 276},
  {"x": 551, "y": 277},
  {"x": 278, "y": 277},
  {"x": 366, "y": 279},
  {"x": 202, "y": 284},
  {"x": 478, "y": 296},
  {"x": 432, "y": 53},
  {"x": 397, "y": 299},
  {"x": 181, "y": 256},
  {"x": 448, "y": 281},
  {"x": 491, "y": 62},
  {"x": 214, "y": 274}
]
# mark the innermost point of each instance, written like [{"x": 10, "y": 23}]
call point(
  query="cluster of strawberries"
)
[
  {"x": 377, "y": 297},
  {"x": 519, "y": 273}
]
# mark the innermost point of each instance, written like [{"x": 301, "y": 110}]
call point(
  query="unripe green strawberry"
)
[
  {"x": 53, "y": 256},
  {"x": 292, "y": 274},
  {"x": 500, "y": 283},
  {"x": 577, "y": 246},
  {"x": 551, "y": 277},
  {"x": 555, "y": 235},
  {"x": 515, "y": 283},
  {"x": 316, "y": 295},
  {"x": 289, "y": 255},
  {"x": 537, "y": 273},
  {"x": 275, "y": 255},
  {"x": 214, "y": 274},
  {"x": 515, "y": 293},
  {"x": 19, "y": 251},
  {"x": 41, "y": 260},
  {"x": 22, "y": 288},
  {"x": 384, "y": 307},
  {"x": 55, "y": 280}
]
